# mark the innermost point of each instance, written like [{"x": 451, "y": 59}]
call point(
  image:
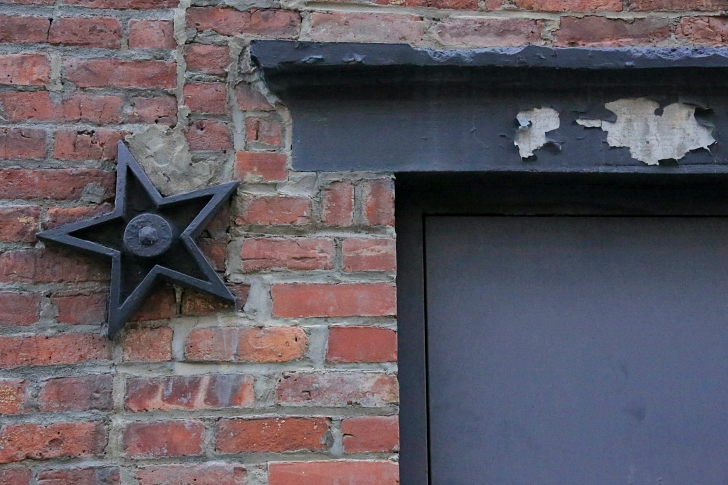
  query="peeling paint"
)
[
  {"x": 534, "y": 124},
  {"x": 652, "y": 137}
]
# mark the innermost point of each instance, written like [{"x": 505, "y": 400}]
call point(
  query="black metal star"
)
[{"x": 148, "y": 237}]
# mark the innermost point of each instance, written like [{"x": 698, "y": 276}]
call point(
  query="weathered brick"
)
[
  {"x": 379, "y": 202},
  {"x": 571, "y": 5},
  {"x": 12, "y": 397},
  {"x": 76, "y": 394},
  {"x": 262, "y": 131},
  {"x": 677, "y": 5},
  {"x": 49, "y": 266},
  {"x": 25, "y": 69},
  {"x": 299, "y": 300},
  {"x": 148, "y": 344},
  {"x": 161, "y": 304},
  {"x": 337, "y": 389},
  {"x": 206, "y": 98},
  {"x": 500, "y": 32},
  {"x": 198, "y": 304},
  {"x": 61, "y": 184},
  {"x": 38, "y": 106},
  {"x": 19, "y": 308},
  {"x": 209, "y": 135},
  {"x": 80, "y": 476},
  {"x": 210, "y": 59},
  {"x": 163, "y": 438},
  {"x": 104, "y": 73},
  {"x": 276, "y": 211},
  {"x": 371, "y": 434},
  {"x": 151, "y": 34},
  {"x": 18, "y": 29},
  {"x": 369, "y": 254},
  {"x": 272, "y": 435},
  {"x": 280, "y": 24},
  {"x": 18, "y": 223},
  {"x": 125, "y": 4},
  {"x": 603, "y": 32},
  {"x": 704, "y": 30},
  {"x": 57, "y": 216},
  {"x": 78, "y": 146},
  {"x": 362, "y": 344},
  {"x": 337, "y": 203},
  {"x": 159, "y": 110},
  {"x": 189, "y": 392},
  {"x": 62, "y": 440},
  {"x": 67, "y": 348},
  {"x": 448, "y": 4},
  {"x": 365, "y": 27},
  {"x": 287, "y": 253},
  {"x": 102, "y": 32},
  {"x": 215, "y": 250},
  {"x": 22, "y": 143},
  {"x": 334, "y": 473},
  {"x": 15, "y": 476},
  {"x": 251, "y": 100},
  {"x": 212, "y": 474},
  {"x": 261, "y": 166},
  {"x": 80, "y": 308},
  {"x": 235, "y": 344}
]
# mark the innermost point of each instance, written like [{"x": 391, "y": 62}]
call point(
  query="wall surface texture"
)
[{"x": 296, "y": 384}]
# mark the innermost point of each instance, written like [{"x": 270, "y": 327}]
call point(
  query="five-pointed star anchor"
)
[{"x": 148, "y": 237}]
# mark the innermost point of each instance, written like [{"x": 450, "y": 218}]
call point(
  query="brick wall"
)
[{"x": 296, "y": 385}]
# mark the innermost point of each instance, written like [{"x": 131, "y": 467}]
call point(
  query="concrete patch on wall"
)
[
  {"x": 533, "y": 126},
  {"x": 652, "y": 135}
]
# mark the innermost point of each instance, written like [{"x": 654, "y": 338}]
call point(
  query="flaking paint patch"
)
[
  {"x": 532, "y": 129},
  {"x": 652, "y": 137}
]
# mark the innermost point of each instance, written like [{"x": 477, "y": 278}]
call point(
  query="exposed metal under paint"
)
[
  {"x": 653, "y": 137},
  {"x": 534, "y": 124}
]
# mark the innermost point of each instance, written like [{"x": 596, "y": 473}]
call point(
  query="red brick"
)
[
  {"x": 26, "y": 106},
  {"x": 290, "y": 253},
  {"x": 334, "y": 473},
  {"x": 57, "y": 216},
  {"x": 215, "y": 250},
  {"x": 102, "y": 32},
  {"x": 61, "y": 184},
  {"x": 104, "y": 73},
  {"x": 189, "y": 392},
  {"x": 241, "y": 293},
  {"x": 571, "y": 5},
  {"x": 261, "y": 166},
  {"x": 198, "y": 304},
  {"x": 12, "y": 397},
  {"x": 704, "y": 30},
  {"x": 272, "y": 435},
  {"x": 24, "y": 69},
  {"x": 67, "y": 348},
  {"x": 209, "y": 135},
  {"x": 276, "y": 211},
  {"x": 337, "y": 389},
  {"x": 251, "y": 100},
  {"x": 604, "y": 32},
  {"x": 369, "y": 254},
  {"x": 15, "y": 476},
  {"x": 148, "y": 344},
  {"x": 500, "y": 32},
  {"x": 206, "y": 98},
  {"x": 19, "y": 223},
  {"x": 49, "y": 266},
  {"x": 17, "y": 29},
  {"x": 80, "y": 476},
  {"x": 22, "y": 143},
  {"x": 80, "y": 308},
  {"x": 77, "y": 394},
  {"x": 298, "y": 300},
  {"x": 365, "y": 27},
  {"x": 217, "y": 474},
  {"x": 62, "y": 440},
  {"x": 86, "y": 145},
  {"x": 125, "y": 4},
  {"x": 151, "y": 34},
  {"x": 235, "y": 344},
  {"x": 337, "y": 202},
  {"x": 210, "y": 59},
  {"x": 362, "y": 344},
  {"x": 262, "y": 131},
  {"x": 677, "y": 5},
  {"x": 379, "y": 202},
  {"x": 161, "y": 110},
  {"x": 28, "y": 2},
  {"x": 163, "y": 438},
  {"x": 19, "y": 308},
  {"x": 371, "y": 434},
  {"x": 281, "y": 24},
  {"x": 161, "y": 304}
]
